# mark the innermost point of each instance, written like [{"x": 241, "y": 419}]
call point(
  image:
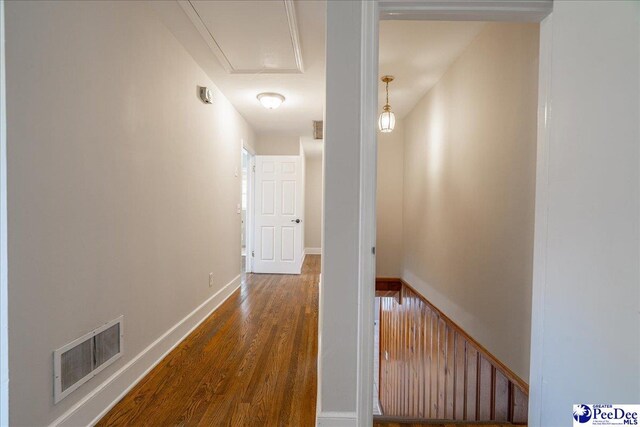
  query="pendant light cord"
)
[{"x": 387, "y": 90}]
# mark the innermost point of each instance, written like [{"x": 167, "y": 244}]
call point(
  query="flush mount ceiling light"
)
[
  {"x": 270, "y": 100},
  {"x": 387, "y": 120}
]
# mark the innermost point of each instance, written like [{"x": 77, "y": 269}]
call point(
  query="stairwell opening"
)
[{"x": 455, "y": 220}]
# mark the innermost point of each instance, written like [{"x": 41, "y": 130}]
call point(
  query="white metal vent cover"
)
[{"x": 77, "y": 362}]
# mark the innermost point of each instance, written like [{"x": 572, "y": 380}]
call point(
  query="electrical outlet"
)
[{"x": 211, "y": 280}]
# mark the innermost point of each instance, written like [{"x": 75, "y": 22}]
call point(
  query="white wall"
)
[
  {"x": 586, "y": 346},
  {"x": 339, "y": 288},
  {"x": 4, "y": 326},
  {"x": 277, "y": 144},
  {"x": 313, "y": 202},
  {"x": 122, "y": 194},
  {"x": 469, "y": 182},
  {"x": 389, "y": 202}
]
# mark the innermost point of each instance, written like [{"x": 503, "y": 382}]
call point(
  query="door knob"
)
[{"x": 297, "y": 220}]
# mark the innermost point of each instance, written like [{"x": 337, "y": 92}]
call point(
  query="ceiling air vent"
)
[
  {"x": 318, "y": 129},
  {"x": 82, "y": 359}
]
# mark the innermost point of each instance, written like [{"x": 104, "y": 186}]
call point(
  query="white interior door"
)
[{"x": 278, "y": 215}]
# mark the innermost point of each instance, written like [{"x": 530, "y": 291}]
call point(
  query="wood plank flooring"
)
[{"x": 251, "y": 363}]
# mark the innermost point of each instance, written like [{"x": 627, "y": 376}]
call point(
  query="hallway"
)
[{"x": 252, "y": 362}]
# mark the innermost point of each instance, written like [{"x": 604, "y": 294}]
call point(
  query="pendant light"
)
[{"x": 387, "y": 120}]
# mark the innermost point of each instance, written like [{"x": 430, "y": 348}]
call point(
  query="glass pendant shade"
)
[{"x": 386, "y": 121}]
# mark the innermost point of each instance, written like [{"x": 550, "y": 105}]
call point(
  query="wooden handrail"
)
[
  {"x": 437, "y": 370},
  {"x": 512, "y": 376}
]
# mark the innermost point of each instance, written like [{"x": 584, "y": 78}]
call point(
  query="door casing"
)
[{"x": 248, "y": 226}]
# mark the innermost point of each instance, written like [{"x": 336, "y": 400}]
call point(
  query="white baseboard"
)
[
  {"x": 313, "y": 251},
  {"x": 337, "y": 419},
  {"x": 96, "y": 404},
  {"x": 304, "y": 256}
]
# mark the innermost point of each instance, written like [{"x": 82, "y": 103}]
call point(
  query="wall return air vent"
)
[
  {"x": 77, "y": 362},
  {"x": 318, "y": 129}
]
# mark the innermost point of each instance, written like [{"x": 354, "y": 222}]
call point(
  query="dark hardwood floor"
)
[{"x": 251, "y": 363}]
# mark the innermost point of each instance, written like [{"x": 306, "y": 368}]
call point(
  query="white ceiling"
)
[
  {"x": 257, "y": 35},
  {"x": 249, "y": 37},
  {"x": 249, "y": 47},
  {"x": 417, "y": 53}
]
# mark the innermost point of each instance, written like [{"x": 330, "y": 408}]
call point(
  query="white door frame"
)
[
  {"x": 248, "y": 226},
  {"x": 4, "y": 326},
  {"x": 463, "y": 10}
]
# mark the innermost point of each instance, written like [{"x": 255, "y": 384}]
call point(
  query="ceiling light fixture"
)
[
  {"x": 387, "y": 120},
  {"x": 270, "y": 100}
]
